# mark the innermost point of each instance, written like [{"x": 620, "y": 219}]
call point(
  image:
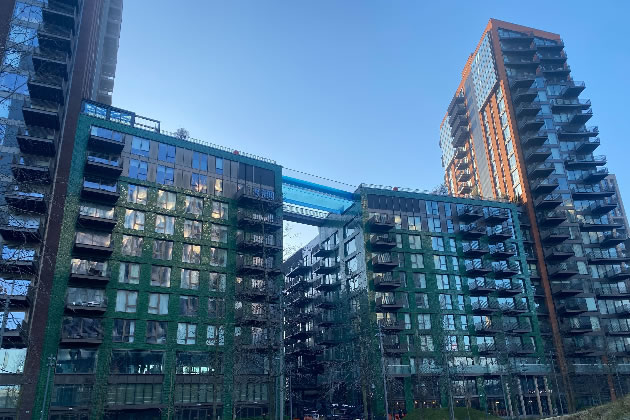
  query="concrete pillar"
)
[{"x": 538, "y": 396}]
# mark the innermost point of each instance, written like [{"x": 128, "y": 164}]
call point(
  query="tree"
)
[
  {"x": 182, "y": 134},
  {"x": 440, "y": 189}
]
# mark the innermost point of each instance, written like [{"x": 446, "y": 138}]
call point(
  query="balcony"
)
[
  {"x": 530, "y": 124},
  {"x": 20, "y": 229},
  {"x": 37, "y": 141},
  {"x": 460, "y": 152},
  {"x": 59, "y": 14},
  {"x": 106, "y": 140},
  {"x": 550, "y": 70},
  {"x": 593, "y": 176},
  {"x": 484, "y": 307},
  {"x": 622, "y": 311},
  {"x": 481, "y": 286},
  {"x": 326, "y": 302},
  {"x": 327, "y": 283},
  {"x": 259, "y": 197},
  {"x": 527, "y": 109},
  {"x": 100, "y": 190},
  {"x": 91, "y": 275},
  {"x": 47, "y": 88},
  {"x": 257, "y": 220},
  {"x": 325, "y": 250},
  {"x": 506, "y": 268},
  {"x": 518, "y": 327},
  {"x": 30, "y": 170},
  {"x": 399, "y": 371},
  {"x": 582, "y": 349},
  {"x": 328, "y": 319},
  {"x": 325, "y": 266},
  {"x": 603, "y": 206},
  {"x": 256, "y": 290},
  {"x": 537, "y": 155},
  {"x": 389, "y": 303},
  {"x": 521, "y": 81},
  {"x": 477, "y": 268},
  {"x": 18, "y": 260},
  {"x": 591, "y": 192},
  {"x": 472, "y": 231},
  {"x": 461, "y": 136},
  {"x": 496, "y": 215},
  {"x": 41, "y": 114},
  {"x": 486, "y": 348},
  {"x": 500, "y": 233},
  {"x": 567, "y": 288},
  {"x": 559, "y": 253},
  {"x": 520, "y": 348},
  {"x": 612, "y": 290},
  {"x": 103, "y": 164},
  {"x": 300, "y": 298},
  {"x": 391, "y": 325},
  {"x": 469, "y": 213},
  {"x": 384, "y": 262},
  {"x": 548, "y": 202},
  {"x": 464, "y": 189},
  {"x": 611, "y": 239},
  {"x": 51, "y": 62},
  {"x": 299, "y": 269},
  {"x": 570, "y": 132},
  {"x": 254, "y": 343},
  {"x": 464, "y": 175},
  {"x": 387, "y": 281},
  {"x": 561, "y": 105},
  {"x": 526, "y": 62},
  {"x": 562, "y": 270},
  {"x": 573, "y": 306},
  {"x": 85, "y": 245},
  {"x": 394, "y": 347},
  {"x": 54, "y": 38},
  {"x": 572, "y": 89},
  {"x": 84, "y": 337},
  {"x": 487, "y": 328},
  {"x": 618, "y": 273},
  {"x": 246, "y": 315},
  {"x": 507, "y": 287},
  {"x": 617, "y": 329},
  {"x": 607, "y": 257},
  {"x": 458, "y": 109},
  {"x": 382, "y": 242},
  {"x": 462, "y": 164},
  {"x": 514, "y": 308},
  {"x": 543, "y": 185},
  {"x": 381, "y": 222},
  {"x": 460, "y": 120},
  {"x": 248, "y": 264},
  {"x": 598, "y": 226},
  {"x": 581, "y": 117},
  {"x": 577, "y": 326},
  {"x": 474, "y": 249},
  {"x": 258, "y": 242},
  {"x": 457, "y": 100},
  {"x": 534, "y": 139},
  {"x": 524, "y": 95},
  {"x": 95, "y": 306},
  {"x": 541, "y": 170}
]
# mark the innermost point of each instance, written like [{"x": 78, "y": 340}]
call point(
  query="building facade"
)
[
  {"x": 426, "y": 295},
  {"x": 517, "y": 128},
  {"x": 54, "y": 53},
  {"x": 166, "y": 286}
]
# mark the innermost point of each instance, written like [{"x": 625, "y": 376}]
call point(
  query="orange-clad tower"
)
[{"x": 516, "y": 129}]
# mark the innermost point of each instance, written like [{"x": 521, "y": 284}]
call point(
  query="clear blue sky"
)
[{"x": 352, "y": 90}]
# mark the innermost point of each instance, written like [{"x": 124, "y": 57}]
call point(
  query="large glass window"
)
[
  {"x": 132, "y": 245},
  {"x": 95, "y": 210},
  {"x": 166, "y": 153},
  {"x": 137, "y": 362},
  {"x": 219, "y": 166},
  {"x": 192, "y": 229},
  {"x": 158, "y": 303},
  {"x": 218, "y": 257},
  {"x": 162, "y": 250},
  {"x": 160, "y": 276},
  {"x": 93, "y": 238},
  {"x": 186, "y": 333},
  {"x": 190, "y": 279},
  {"x": 134, "y": 219},
  {"x": 194, "y": 205},
  {"x": 191, "y": 253},
  {"x": 188, "y": 305},
  {"x": 217, "y": 282},
  {"x": 138, "y": 169},
  {"x": 126, "y": 301},
  {"x": 71, "y": 396},
  {"x": 165, "y": 175},
  {"x": 166, "y": 199},
  {"x": 199, "y": 183},
  {"x": 219, "y": 233},
  {"x": 219, "y": 210},
  {"x": 164, "y": 224},
  {"x": 76, "y": 361},
  {"x": 83, "y": 296},
  {"x": 200, "y": 161},
  {"x": 156, "y": 332},
  {"x": 75, "y": 327},
  {"x": 129, "y": 273},
  {"x": 12, "y": 360},
  {"x": 136, "y": 394},
  {"x": 140, "y": 146},
  {"x": 89, "y": 268},
  {"x": 136, "y": 194},
  {"x": 216, "y": 307},
  {"x": 123, "y": 330},
  {"x": 215, "y": 335}
]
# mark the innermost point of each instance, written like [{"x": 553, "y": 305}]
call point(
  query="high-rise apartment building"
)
[
  {"x": 426, "y": 295},
  {"x": 166, "y": 287},
  {"x": 54, "y": 53},
  {"x": 517, "y": 128}
]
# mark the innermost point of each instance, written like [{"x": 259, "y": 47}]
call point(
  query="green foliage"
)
[
  {"x": 618, "y": 410},
  {"x": 442, "y": 414}
]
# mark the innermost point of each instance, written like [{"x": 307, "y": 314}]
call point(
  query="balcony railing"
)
[
  {"x": 477, "y": 267},
  {"x": 481, "y": 286},
  {"x": 469, "y": 213},
  {"x": 563, "y": 270}
]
